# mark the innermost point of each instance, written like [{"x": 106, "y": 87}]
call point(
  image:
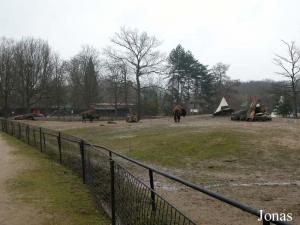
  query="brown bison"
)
[
  {"x": 90, "y": 115},
  {"x": 178, "y": 111}
]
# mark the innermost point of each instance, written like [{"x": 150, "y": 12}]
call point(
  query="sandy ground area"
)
[
  {"x": 12, "y": 213},
  {"x": 275, "y": 188},
  {"x": 190, "y": 121}
]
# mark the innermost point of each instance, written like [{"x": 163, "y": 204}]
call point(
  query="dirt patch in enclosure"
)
[
  {"x": 61, "y": 125},
  {"x": 11, "y": 212},
  {"x": 202, "y": 121},
  {"x": 207, "y": 210},
  {"x": 266, "y": 176}
]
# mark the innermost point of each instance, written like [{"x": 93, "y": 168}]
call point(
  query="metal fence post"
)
[
  {"x": 28, "y": 132},
  {"x": 152, "y": 189},
  {"x": 34, "y": 138},
  {"x": 44, "y": 140},
  {"x": 12, "y": 129},
  {"x": 112, "y": 192},
  {"x": 59, "y": 147},
  {"x": 82, "y": 160},
  {"x": 41, "y": 144},
  {"x": 20, "y": 133}
]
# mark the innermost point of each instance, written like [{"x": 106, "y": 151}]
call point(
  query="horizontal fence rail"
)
[{"x": 124, "y": 197}]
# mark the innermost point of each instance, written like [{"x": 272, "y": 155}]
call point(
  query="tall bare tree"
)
[
  {"x": 83, "y": 77},
  {"x": 33, "y": 70},
  {"x": 290, "y": 66},
  {"x": 219, "y": 72},
  {"x": 124, "y": 74},
  {"x": 7, "y": 76},
  {"x": 58, "y": 84},
  {"x": 114, "y": 78},
  {"x": 139, "y": 51}
]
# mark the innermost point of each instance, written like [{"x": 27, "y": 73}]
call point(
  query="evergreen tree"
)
[
  {"x": 284, "y": 107},
  {"x": 90, "y": 83},
  {"x": 189, "y": 80}
]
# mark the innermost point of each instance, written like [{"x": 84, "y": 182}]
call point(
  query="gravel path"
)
[{"x": 12, "y": 213}]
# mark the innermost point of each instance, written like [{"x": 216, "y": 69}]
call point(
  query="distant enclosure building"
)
[{"x": 110, "y": 110}]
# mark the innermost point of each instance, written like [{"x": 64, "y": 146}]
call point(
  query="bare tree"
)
[
  {"x": 7, "y": 77},
  {"x": 219, "y": 72},
  {"x": 290, "y": 66},
  {"x": 139, "y": 51},
  {"x": 58, "y": 84},
  {"x": 33, "y": 70},
  {"x": 114, "y": 78},
  {"x": 83, "y": 77},
  {"x": 124, "y": 73}
]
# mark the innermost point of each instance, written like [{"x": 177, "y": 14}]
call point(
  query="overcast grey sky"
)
[{"x": 242, "y": 33}]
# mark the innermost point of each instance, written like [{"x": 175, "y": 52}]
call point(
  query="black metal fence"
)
[{"x": 125, "y": 197}]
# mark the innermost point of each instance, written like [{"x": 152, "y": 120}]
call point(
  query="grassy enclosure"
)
[
  {"x": 53, "y": 190},
  {"x": 198, "y": 140},
  {"x": 256, "y": 163},
  {"x": 167, "y": 146}
]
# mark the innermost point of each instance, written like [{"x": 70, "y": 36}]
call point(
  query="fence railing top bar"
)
[
  {"x": 70, "y": 139},
  {"x": 50, "y": 134}
]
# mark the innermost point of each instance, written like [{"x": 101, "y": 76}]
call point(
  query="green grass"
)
[
  {"x": 49, "y": 187},
  {"x": 188, "y": 148},
  {"x": 175, "y": 147}
]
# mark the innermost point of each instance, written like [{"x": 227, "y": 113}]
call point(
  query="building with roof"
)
[{"x": 111, "y": 110}]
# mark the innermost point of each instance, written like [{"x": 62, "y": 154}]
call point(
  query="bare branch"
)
[
  {"x": 290, "y": 66},
  {"x": 137, "y": 50}
]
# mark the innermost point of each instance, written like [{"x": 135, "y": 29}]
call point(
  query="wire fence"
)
[{"x": 124, "y": 196}]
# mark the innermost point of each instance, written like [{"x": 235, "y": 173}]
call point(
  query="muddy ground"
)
[{"x": 265, "y": 181}]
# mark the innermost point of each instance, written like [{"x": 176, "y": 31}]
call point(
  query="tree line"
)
[{"x": 131, "y": 70}]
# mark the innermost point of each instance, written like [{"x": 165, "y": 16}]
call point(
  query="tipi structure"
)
[{"x": 223, "y": 108}]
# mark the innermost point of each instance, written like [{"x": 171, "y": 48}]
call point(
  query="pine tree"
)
[
  {"x": 189, "y": 80},
  {"x": 90, "y": 84}
]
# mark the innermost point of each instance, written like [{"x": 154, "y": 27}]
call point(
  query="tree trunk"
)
[
  {"x": 125, "y": 90},
  {"x": 138, "y": 105},
  {"x": 6, "y": 94},
  {"x": 172, "y": 92},
  {"x": 116, "y": 100},
  {"x": 27, "y": 102},
  {"x": 6, "y": 105},
  {"x": 188, "y": 90},
  {"x": 178, "y": 90},
  {"x": 295, "y": 103}
]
